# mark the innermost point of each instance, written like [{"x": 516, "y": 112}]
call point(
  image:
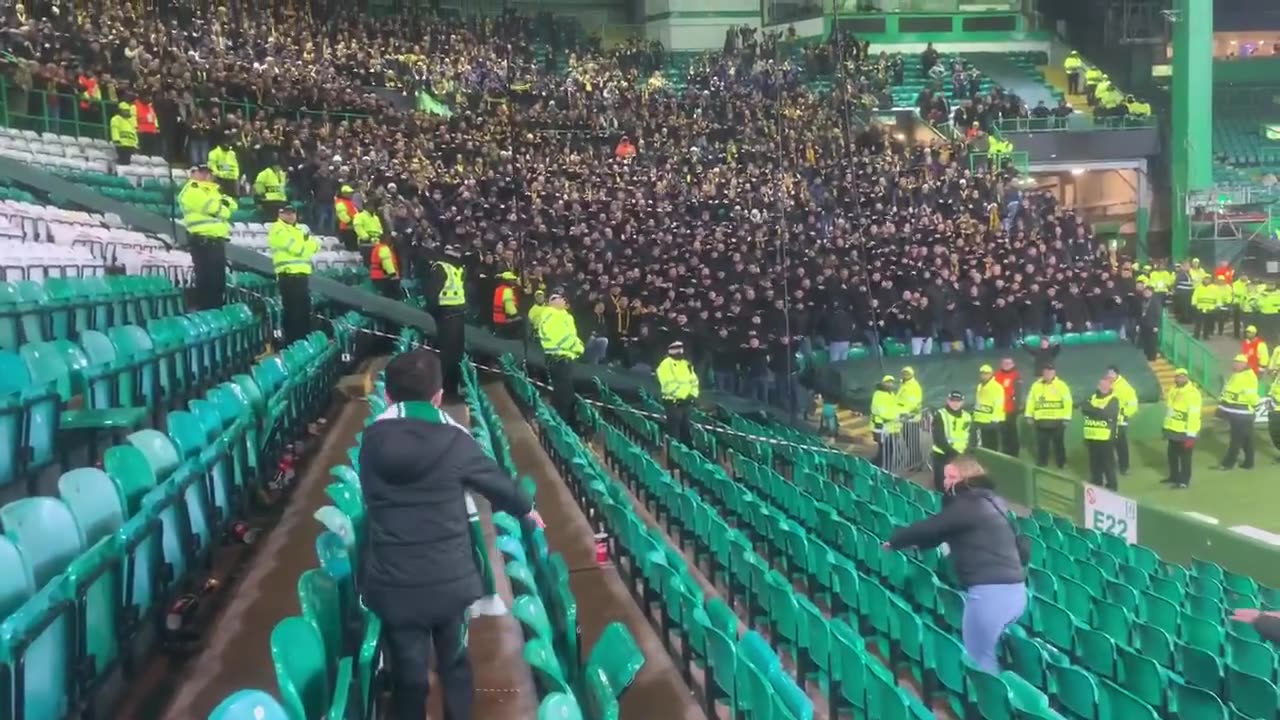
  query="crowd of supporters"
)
[{"x": 749, "y": 208}]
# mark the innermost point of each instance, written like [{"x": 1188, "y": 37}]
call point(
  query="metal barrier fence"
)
[
  {"x": 63, "y": 114},
  {"x": 1184, "y": 351},
  {"x": 907, "y": 451}
]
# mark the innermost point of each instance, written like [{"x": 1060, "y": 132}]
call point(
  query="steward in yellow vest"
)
[
  {"x": 226, "y": 167},
  {"x": 291, "y": 252},
  {"x": 886, "y": 420},
  {"x": 268, "y": 188},
  {"x": 1049, "y": 409},
  {"x": 952, "y": 426},
  {"x": 205, "y": 215},
  {"x": 561, "y": 345},
  {"x": 1238, "y": 405},
  {"x": 1073, "y": 66},
  {"x": 124, "y": 134},
  {"x": 446, "y": 295},
  {"x": 1273, "y": 412},
  {"x": 1101, "y": 417},
  {"x": 910, "y": 396},
  {"x": 1128, "y": 398},
  {"x": 1181, "y": 427},
  {"x": 678, "y": 382},
  {"x": 988, "y": 409},
  {"x": 1204, "y": 301}
]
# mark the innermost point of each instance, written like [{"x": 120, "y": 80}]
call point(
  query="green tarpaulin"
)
[
  {"x": 428, "y": 104},
  {"x": 853, "y": 381}
]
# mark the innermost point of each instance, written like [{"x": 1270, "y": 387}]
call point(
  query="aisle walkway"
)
[
  {"x": 659, "y": 693},
  {"x": 239, "y": 654}
]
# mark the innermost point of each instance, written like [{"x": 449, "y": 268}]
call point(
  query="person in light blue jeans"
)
[{"x": 985, "y": 552}]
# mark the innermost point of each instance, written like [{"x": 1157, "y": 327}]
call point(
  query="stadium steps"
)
[
  {"x": 855, "y": 429},
  {"x": 1165, "y": 370},
  {"x": 1057, "y": 77}
]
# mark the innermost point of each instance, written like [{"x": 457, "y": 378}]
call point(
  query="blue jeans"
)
[
  {"x": 951, "y": 346},
  {"x": 974, "y": 341},
  {"x": 838, "y": 350},
  {"x": 197, "y": 150},
  {"x": 726, "y": 381},
  {"x": 873, "y": 341},
  {"x": 988, "y": 610},
  {"x": 595, "y": 350},
  {"x": 921, "y": 345}
]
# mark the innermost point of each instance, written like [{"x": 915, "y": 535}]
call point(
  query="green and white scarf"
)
[{"x": 490, "y": 603}]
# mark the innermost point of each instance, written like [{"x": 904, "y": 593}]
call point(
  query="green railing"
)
[
  {"x": 1079, "y": 122},
  {"x": 60, "y": 113},
  {"x": 1020, "y": 160},
  {"x": 1184, "y": 351}
]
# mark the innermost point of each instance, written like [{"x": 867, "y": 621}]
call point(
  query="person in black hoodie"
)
[
  {"x": 984, "y": 552},
  {"x": 418, "y": 570}
]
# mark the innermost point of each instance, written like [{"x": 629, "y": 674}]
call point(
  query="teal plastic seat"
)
[
  {"x": 249, "y": 705},
  {"x": 559, "y": 706},
  {"x": 321, "y": 602},
  {"x": 36, "y": 628},
  {"x": 203, "y": 455},
  {"x": 306, "y": 687}
]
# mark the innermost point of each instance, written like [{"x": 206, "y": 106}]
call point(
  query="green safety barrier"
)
[
  {"x": 1174, "y": 536},
  {"x": 1020, "y": 160},
  {"x": 1075, "y": 123},
  {"x": 94, "y": 122},
  {"x": 1181, "y": 349}
]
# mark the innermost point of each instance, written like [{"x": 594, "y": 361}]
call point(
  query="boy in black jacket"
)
[{"x": 417, "y": 568}]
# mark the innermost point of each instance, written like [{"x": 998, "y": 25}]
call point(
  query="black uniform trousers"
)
[
  {"x": 451, "y": 339},
  {"x": 1051, "y": 434},
  {"x": 348, "y": 238},
  {"x": 230, "y": 187},
  {"x": 939, "y": 461},
  {"x": 1241, "y": 428},
  {"x": 1009, "y": 441},
  {"x": 678, "y": 412},
  {"x": 410, "y": 647},
  {"x": 295, "y": 301},
  {"x": 560, "y": 371},
  {"x": 1206, "y": 324},
  {"x": 1273, "y": 426},
  {"x": 389, "y": 288},
  {"x": 989, "y": 436},
  {"x": 1179, "y": 456},
  {"x": 1122, "y": 448},
  {"x": 209, "y": 265},
  {"x": 1102, "y": 463},
  {"x": 1148, "y": 340}
]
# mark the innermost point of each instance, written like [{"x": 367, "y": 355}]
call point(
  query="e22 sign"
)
[{"x": 1110, "y": 513}]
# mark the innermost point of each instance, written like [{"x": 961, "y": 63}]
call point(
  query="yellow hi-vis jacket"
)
[
  {"x": 224, "y": 164},
  {"x": 910, "y": 399},
  {"x": 1049, "y": 402},
  {"x": 1240, "y": 394},
  {"x": 951, "y": 431},
  {"x": 291, "y": 248},
  {"x": 205, "y": 211},
  {"x": 677, "y": 379},
  {"x": 559, "y": 334},
  {"x": 1182, "y": 412},
  {"x": 368, "y": 227},
  {"x": 1128, "y": 398},
  {"x": 1205, "y": 297},
  {"x": 988, "y": 404},
  {"x": 124, "y": 132},
  {"x": 453, "y": 292},
  {"x": 269, "y": 185},
  {"x": 1100, "y": 417},
  {"x": 885, "y": 412}
]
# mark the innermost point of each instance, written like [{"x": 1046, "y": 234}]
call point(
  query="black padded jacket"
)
[{"x": 973, "y": 524}]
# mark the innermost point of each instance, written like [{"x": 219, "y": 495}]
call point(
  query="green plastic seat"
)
[
  {"x": 547, "y": 672},
  {"x": 321, "y": 601},
  {"x": 559, "y": 706},
  {"x": 618, "y": 656},
  {"x": 1251, "y": 695},
  {"x": 531, "y": 614},
  {"x": 249, "y": 705},
  {"x": 306, "y": 687}
]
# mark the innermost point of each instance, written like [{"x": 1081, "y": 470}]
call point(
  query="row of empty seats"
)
[
  {"x": 65, "y": 153},
  {"x": 84, "y": 574}
]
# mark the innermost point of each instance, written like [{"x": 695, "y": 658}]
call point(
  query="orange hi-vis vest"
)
[
  {"x": 376, "y": 271},
  {"x": 89, "y": 92},
  {"x": 500, "y": 316},
  {"x": 146, "y": 116},
  {"x": 1250, "y": 350},
  {"x": 351, "y": 211}
]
